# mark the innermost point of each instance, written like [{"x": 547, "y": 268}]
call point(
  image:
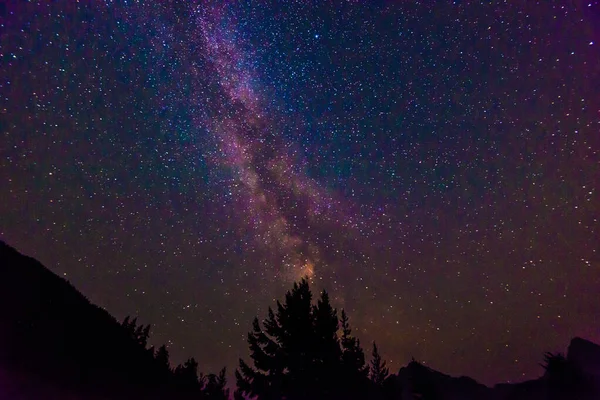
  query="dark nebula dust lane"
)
[{"x": 434, "y": 166}]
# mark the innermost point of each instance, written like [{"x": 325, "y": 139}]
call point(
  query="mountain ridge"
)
[{"x": 583, "y": 359}]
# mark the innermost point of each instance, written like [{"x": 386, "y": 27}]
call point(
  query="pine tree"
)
[
  {"x": 281, "y": 352},
  {"x": 292, "y": 353},
  {"x": 142, "y": 333},
  {"x": 162, "y": 358},
  {"x": 353, "y": 372},
  {"x": 186, "y": 376},
  {"x": 296, "y": 338},
  {"x": 353, "y": 357},
  {"x": 139, "y": 334},
  {"x": 378, "y": 369},
  {"x": 215, "y": 387},
  {"x": 327, "y": 352},
  {"x": 297, "y": 353}
]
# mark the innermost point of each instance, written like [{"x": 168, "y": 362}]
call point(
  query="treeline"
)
[
  {"x": 305, "y": 351},
  {"x": 300, "y": 351},
  {"x": 55, "y": 344},
  {"x": 183, "y": 380}
]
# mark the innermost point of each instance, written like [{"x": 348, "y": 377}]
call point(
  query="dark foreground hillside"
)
[{"x": 55, "y": 344}]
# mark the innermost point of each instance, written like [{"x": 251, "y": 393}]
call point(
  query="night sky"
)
[{"x": 433, "y": 164}]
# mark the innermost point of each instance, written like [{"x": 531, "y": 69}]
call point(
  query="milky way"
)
[
  {"x": 275, "y": 202},
  {"x": 264, "y": 175},
  {"x": 434, "y": 166}
]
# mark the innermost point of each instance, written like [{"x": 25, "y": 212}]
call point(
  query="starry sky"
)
[{"x": 433, "y": 164}]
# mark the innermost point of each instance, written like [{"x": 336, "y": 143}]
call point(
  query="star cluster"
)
[{"x": 434, "y": 165}]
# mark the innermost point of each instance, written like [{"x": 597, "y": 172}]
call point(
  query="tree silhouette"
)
[
  {"x": 326, "y": 351},
  {"x": 298, "y": 354},
  {"x": 353, "y": 357},
  {"x": 378, "y": 369},
  {"x": 353, "y": 369},
  {"x": 563, "y": 377},
  {"x": 281, "y": 351},
  {"x": 215, "y": 387},
  {"x": 140, "y": 333},
  {"x": 162, "y": 358},
  {"x": 186, "y": 376}
]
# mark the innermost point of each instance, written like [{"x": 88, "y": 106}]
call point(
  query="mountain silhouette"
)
[
  {"x": 419, "y": 381},
  {"x": 54, "y": 343},
  {"x": 577, "y": 378}
]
